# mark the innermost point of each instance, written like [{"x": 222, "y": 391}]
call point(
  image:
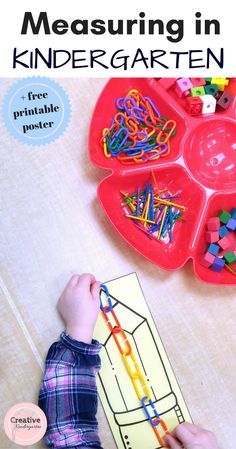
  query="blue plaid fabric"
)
[{"x": 68, "y": 394}]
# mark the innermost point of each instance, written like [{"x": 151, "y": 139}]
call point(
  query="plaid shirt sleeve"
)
[{"x": 68, "y": 394}]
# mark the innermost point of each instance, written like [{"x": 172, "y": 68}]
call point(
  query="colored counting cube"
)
[
  {"x": 198, "y": 82},
  {"x": 224, "y": 216},
  {"x": 211, "y": 89},
  {"x": 224, "y": 100},
  {"x": 212, "y": 236},
  {"x": 209, "y": 104},
  {"x": 220, "y": 82},
  {"x": 224, "y": 243},
  {"x": 207, "y": 260},
  {"x": 218, "y": 95},
  {"x": 197, "y": 91},
  {"x": 221, "y": 249},
  {"x": 231, "y": 225},
  {"x": 223, "y": 231},
  {"x": 208, "y": 80},
  {"x": 213, "y": 249},
  {"x": 182, "y": 87},
  {"x": 233, "y": 213},
  {"x": 194, "y": 105},
  {"x": 218, "y": 264},
  {"x": 213, "y": 224},
  {"x": 230, "y": 258}
]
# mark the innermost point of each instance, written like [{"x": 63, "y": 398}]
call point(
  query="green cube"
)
[
  {"x": 224, "y": 216},
  {"x": 230, "y": 258},
  {"x": 198, "y": 91},
  {"x": 208, "y": 80},
  {"x": 211, "y": 89}
]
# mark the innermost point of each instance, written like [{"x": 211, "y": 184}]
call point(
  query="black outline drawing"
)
[{"x": 176, "y": 407}]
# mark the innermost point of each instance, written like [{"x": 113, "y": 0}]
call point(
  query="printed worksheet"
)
[{"x": 143, "y": 408}]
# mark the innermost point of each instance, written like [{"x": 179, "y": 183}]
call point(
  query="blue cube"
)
[
  {"x": 233, "y": 213},
  {"x": 213, "y": 249},
  {"x": 223, "y": 231},
  {"x": 231, "y": 225},
  {"x": 218, "y": 264}
]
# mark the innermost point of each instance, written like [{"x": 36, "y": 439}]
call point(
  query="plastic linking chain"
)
[
  {"x": 138, "y": 380},
  {"x": 137, "y": 133}
]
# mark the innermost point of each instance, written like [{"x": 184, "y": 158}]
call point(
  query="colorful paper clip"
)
[
  {"x": 104, "y": 288},
  {"x": 138, "y": 133},
  {"x": 134, "y": 371},
  {"x": 153, "y": 423}
]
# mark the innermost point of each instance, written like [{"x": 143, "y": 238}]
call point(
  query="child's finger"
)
[
  {"x": 73, "y": 280},
  {"x": 95, "y": 289},
  {"x": 172, "y": 442},
  {"x": 191, "y": 427},
  {"x": 86, "y": 280},
  {"x": 184, "y": 433}
]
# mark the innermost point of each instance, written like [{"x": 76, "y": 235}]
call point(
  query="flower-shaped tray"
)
[{"x": 201, "y": 165}]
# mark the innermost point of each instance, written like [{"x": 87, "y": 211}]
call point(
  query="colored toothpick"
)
[{"x": 153, "y": 210}]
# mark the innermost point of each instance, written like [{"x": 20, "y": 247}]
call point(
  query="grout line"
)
[{"x": 21, "y": 323}]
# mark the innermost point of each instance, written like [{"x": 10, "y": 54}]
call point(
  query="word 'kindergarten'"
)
[{"x": 120, "y": 59}]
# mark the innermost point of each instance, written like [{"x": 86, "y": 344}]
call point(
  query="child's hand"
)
[
  {"x": 79, "y": 306},
  {"x": 190, "y": 436}
]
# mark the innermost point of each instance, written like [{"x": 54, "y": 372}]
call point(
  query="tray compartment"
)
[
  {"x": 105, "y": 109},
  {"x": 216, "y": 203},
  {"x": 167, "y": 255}
]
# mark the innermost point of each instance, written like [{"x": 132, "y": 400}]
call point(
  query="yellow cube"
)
[{"x": 220, "y": 82}]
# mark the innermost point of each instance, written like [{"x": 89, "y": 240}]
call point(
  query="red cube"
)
[
  {"x": 224, "y": 243},
  {"x": 196, "y": 82},
  {"x": 194, "y": 105},
  {"x": 213, "y": 224},
  {"x": 207, "y": 260},
  {"x": 212, "y": 236}
]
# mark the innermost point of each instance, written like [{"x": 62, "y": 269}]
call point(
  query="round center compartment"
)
[{"x": 210, "y": 154}]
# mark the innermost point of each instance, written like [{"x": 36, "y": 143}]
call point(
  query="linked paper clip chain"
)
[
  {"x": 137, "y": 133},
  {"x": 133, "y": 369}
]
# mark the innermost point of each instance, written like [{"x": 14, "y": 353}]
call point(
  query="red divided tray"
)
[{"x": 201, "y": 165}]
